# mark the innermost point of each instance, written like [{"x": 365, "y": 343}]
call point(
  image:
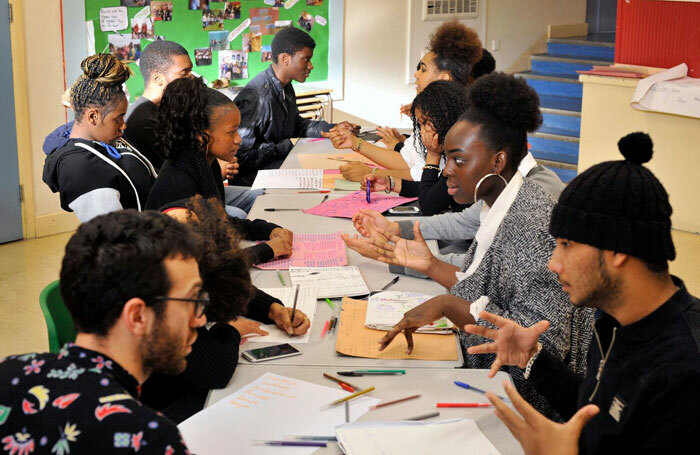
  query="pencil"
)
[
  {"x": 294, "y": 306},
  {"x": 400, "y": 400},
  {"x": 330, "y": 304},
  {"x": 333, "y": 378},
  {"x": 325, "y": 327},
  {"x": 349, "y": 397},
  {"x": 463, "y": 405},
  {"x": 425, "y": 416}
]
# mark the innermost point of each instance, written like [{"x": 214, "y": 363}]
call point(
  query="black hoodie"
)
[{"x": 90, "y": 180}]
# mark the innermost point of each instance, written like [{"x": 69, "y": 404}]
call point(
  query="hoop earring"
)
[{"x": 476, "y": 190}]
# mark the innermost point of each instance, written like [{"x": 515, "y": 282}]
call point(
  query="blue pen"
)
[
  {"x": 476, "y": 389},
  {"x": 368, "y": 200}
]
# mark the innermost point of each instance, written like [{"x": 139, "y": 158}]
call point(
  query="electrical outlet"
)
[{"x": 496, "y": 45}]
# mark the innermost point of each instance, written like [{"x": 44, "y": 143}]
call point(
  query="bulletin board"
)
[{"x": 212, "y": 54}]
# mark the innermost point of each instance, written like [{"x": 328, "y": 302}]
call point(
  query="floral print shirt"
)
[{"x": 77, "y": 402}]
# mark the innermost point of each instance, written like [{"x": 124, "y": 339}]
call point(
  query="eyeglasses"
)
[{"x": 201, "y": 302}]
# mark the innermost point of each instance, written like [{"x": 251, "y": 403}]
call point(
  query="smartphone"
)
[
  {"x": 270, "y": 353},
  {"x": 405, "y": 210}
]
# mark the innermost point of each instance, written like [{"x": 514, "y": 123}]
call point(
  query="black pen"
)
[
  {"x": 294, "y": 306},
  {"x": 325, "y": 198},
  {"x": 282, "y": 210}
]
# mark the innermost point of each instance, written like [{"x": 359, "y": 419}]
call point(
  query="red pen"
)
[
  {"x": 464, "y": 405},
  {"x": 325, "y": 327},
  {"x": 346, "y": 387},
  {"x": 314, "y": 191}
]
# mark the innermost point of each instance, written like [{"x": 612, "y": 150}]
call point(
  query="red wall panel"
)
[{"x": 658, "y": 33}]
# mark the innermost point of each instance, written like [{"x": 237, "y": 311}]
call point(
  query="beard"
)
[
  {"x": 162, "y": 351},
  {"x": 603, "y": 292}
]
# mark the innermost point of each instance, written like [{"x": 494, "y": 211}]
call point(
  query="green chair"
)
[{"x": 58, "y": 320}]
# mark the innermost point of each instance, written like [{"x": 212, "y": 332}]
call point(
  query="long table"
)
[
  {"x": 435, "y": 385},
  {"x": 432, "y": 379}
]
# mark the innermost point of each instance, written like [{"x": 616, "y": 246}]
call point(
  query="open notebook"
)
[{"x": 386, "y": 309}]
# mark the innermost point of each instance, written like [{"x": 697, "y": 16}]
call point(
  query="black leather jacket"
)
[{"x": 269, "y": 118}]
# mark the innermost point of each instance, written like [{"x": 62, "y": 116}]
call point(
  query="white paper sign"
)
[
  {"x": 90, "y": 37},
  {"x": 269, "y": 2},
  {"x": 238, "y": 30},
  {"x": 143, "y": 14},
  {"x": 113, "y": 19},
  {"x": 320, "y": 20},
  {"x": 289, "y": 3}
]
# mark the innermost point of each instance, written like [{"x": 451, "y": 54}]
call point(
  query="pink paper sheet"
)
[
  {"x": 312, "y": 250},
  {"x": 347, "y": 206}
]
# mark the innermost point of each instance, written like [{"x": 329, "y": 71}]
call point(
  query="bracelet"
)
[
  {"x": 374, "y": 170},
  {"x": 391, "y": 185},
  {"x": 530, "y": 362},
  {"x": 431, "y": 166},
  {"x": 359, "y": 144}
]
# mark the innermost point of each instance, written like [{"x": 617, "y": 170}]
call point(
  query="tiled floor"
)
[{"x": 29, "y": 265}]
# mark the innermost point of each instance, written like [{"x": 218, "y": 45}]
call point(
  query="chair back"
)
[{"x": 58, "y": 320}]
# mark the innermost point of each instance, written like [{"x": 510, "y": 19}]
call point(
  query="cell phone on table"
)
[
  {"x": 405, "y": 210},
  {"x": 277, "y": 351}
]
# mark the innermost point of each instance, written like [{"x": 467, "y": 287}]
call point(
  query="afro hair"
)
[
  {"x": 507, "y": 109},
  {"x": 457, "y": 48}
]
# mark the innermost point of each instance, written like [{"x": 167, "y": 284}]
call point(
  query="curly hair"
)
[
  {"x": 185, "y": 112},
  {"x": 115, "y": 257},
  {"x": 441, "y": 103},
  {"x": 457, "y": 48},
  {"x": 223, "y": 266},
  {"x": 486, "y": 65},
  {"x": 100, "y": 85},
  {"x": 507, "y": 109}
]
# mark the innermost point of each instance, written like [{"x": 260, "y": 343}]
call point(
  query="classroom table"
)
[
  {"x": 319, "y": 351},
  {"x": 434, "y": 385},
  {"x": 432, "y": 379}
]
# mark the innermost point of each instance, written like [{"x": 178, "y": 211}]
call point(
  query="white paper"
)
[
  {"x": 113, "y": 19},
  {"x": 90, "y": 37},
  {"x": 669, "y": 91},
  {"x": 269, "y": 408},
  {"x": 331, "y": 282},
  {"x": 306, "y": 302},
  {"x": 289, "y": 178},
  {"x": 143, "y": 14},
  {"x": 289, "y": 3},
  {"x": 320, "y": 20},
  {"x": 386, "y": 309},
  {"x": 237, "y": 31},
  {"x": 404, "y": 438}
]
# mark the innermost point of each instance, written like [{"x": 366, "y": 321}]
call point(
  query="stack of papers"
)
[
  {"x": 289, "y": 178},
  {"x": 387, "y": 308},
  {"x": 331, "y": 281},
  {"x": 312, "y": 250},
  {"x": 269, "y": 408},
  {"x": 403, "y": 438},
  {"x": 306, "y": 302}
]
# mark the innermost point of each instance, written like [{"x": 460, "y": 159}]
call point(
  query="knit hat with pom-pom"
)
[{"x": 618, "y": 205}]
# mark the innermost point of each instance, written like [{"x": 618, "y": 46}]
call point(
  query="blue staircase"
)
[{"x": 553, "y": 76}]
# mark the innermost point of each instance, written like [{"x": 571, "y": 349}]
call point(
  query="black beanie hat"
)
[{"x": 619, "y": 206}]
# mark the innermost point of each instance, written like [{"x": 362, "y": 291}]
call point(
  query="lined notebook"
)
[{"x": 386, "y": 309}]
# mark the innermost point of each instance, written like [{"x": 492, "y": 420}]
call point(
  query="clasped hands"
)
[{"x": 281, "y": 241}]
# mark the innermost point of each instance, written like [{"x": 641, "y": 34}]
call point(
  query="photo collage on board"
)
[{"x": 228, "y": 36}]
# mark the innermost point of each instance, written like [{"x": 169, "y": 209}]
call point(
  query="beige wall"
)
[
  {"x": 607, "y": 116},
  {"x": 42, "y": 86},
  {"x": 377, "y": 48},
  {"x": 522, "y": 27}
]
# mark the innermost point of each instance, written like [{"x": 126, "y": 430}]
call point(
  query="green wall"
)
[{"x": 186, "y": 29}]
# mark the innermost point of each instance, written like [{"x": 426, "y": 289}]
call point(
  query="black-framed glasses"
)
[{"x": 201, "y": 302}]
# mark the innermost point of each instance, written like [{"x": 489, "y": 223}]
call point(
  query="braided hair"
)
[
  {"x": 184, "y": 114},
  {"x": 441, "y": 103},
  {"x": 507, "y": 109},
  {"x": 457, "y": 48},
  {"x": 100, "y": 85}
]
